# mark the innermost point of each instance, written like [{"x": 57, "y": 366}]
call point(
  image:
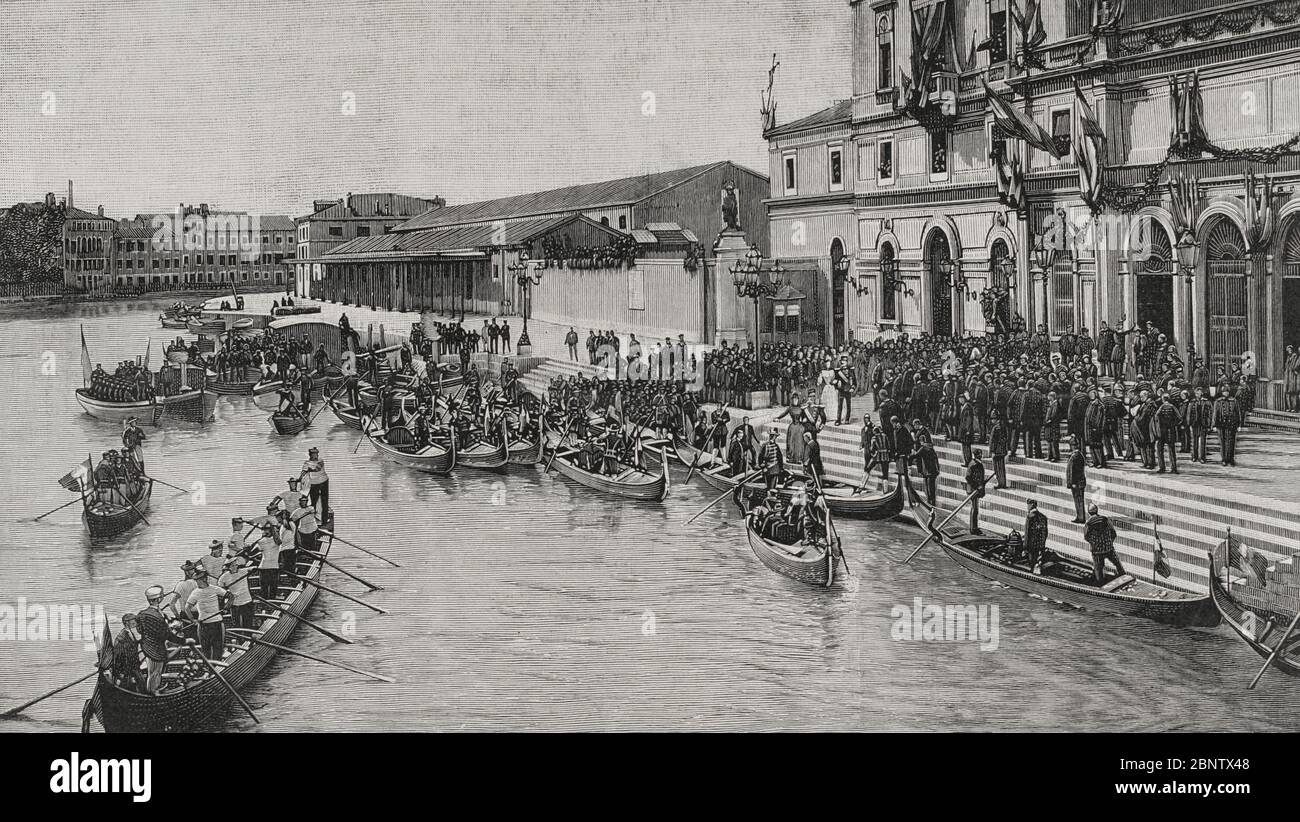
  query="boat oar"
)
[
  {"x": 832, "y": 535},
  {"x": 739, "y": 484},
  {"x": 46, "y": 695},
  {"x": 305, "y": 655},
  {"x": 316, "y": 584},
  {"x": 138, "y": 512},
  {"x": 343, "y": 571},
  {"x": 691, "y": 471},
  {"x": 935, "y": 531},
  {"x": 325, "y": 404},
  {"x": 326, "y": 631},
  {"x": 558, "y": 445},
  {"x": 332, "y": 535},
  {"x": 60, "y": 508},
  {"x": 1277, "y": 649},
  {"x": 191, "y": 643},
  {"x": 168, "y": 484}
]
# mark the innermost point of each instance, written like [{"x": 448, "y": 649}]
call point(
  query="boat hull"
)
[
  {"x": 433, "y": 459},
  {"x": 118, "y": 519},
  {"x": 816, "y": 567},
  {"x": 525, "y": 453},
  {"x": 146, "y": 411},
  {"x": 288, "y": 424},
  {"x": 191, "y": 406},
  {"x": 1253, "y": 627},
  {"x": 646, "y": 487}
]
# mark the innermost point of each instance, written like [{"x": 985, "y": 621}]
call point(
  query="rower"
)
[
  {"x": 206, "y": 602},
  {"x": 317, "y": 482},
  {"x": 180, "y": 594},
  {"x": 287, "y": 402},
  {"x": 214, "y": 562},
  {"x": 285, "y": 500},
  {"x": 235, "y": 542},
  {"x": 268, "y": 570},
  {"x": 132, "y": 438},
  {"x": 155, "y": 633},
  {"x": 305, "y": 524},
  {"x": 235, "y": 580}
]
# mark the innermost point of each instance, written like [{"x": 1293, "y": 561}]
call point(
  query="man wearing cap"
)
[
  {"x": 846, "y": 384},
  {"x": 771, "y": 460},
  {"x": 285, "y": 500},
  {"x": 975, "y": 482},
  {"x": 180, "y": 594},
  {"x": 1035, "y": 534},
  {"x": 213, "y": 562},
  {"x": 268, "y": 570},
  {"x": 305, "y": 525},
  {"x": 317, "y": 482},
  {"x": 235, "y": 580},
  {"x": 132, "y": 438},
  {"x": 1100, "y": 536},
  {"x": 235, "y": 542},
  {"x": 155, "y": 633},
  {"x": 125, "y": 665},
  {"x": 206, "y": 602},
  {"x": 1076, "y": 478}
]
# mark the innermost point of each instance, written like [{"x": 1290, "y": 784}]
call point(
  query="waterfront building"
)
[
  {"x": 196, "y": 245},
  {"x": 1126, "y": 160}
]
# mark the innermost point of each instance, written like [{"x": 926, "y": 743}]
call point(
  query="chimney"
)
[
  {"x": 69, "y": 194},
  {"x": 49, "y": 199}
]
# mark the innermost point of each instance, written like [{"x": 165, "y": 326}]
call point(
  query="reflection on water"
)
[{"x": 523, "y": 601}]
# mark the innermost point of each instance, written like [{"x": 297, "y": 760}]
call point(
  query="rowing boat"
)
[
  {"x": 525, "y": 452},
  {"x": 174, "y": 323},
  {"x": 242, "y": 324},
  {"x": 1071, "y": 581},
  {"x": 1254, "y": 625},
  {"x": 147, "y": 411},
  {"x": 236, "y": 386},
  {"x": 349, "y": 416},
  {"x": 844, "y": 499},
  {"x": 187, "y": 702},
  {"x": 811, "y": 564},
  {"x": 273, "y": 384},
  {"x": 108, "y": 519},
  {"x": 398, "y": 445},
  {"x": 288, "y": 423},
  {"x": 209, "y": 326},
  {"x": 486, "y": 455},
  {"x": 631, "y": 482}
]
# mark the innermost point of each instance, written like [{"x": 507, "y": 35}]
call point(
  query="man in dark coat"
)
[
  {"x": 1199, "y": 415},
  {"x": 1076, "y": 478},
  {"x": 1227, "y": 419},
  {"x": 1035, "y": 534},
  {"x": 1100, "y": 536},
  {"x": 1167, "y": 422},
  {"x": 927, "y": 464},
  {"x": 903, "y": 445},
  {"x": 1052, "y": 425},
  {"x": 998, "y": 439},
  {"x": 975, "y": 482},
  {"x": 155, "y": 633},
  {"x": 966, "y": 424},
  {"x": 1094, "y": 428},
  {"x": 812, "y": 460},
  {"x": 1116, "y": 410},
  {"x": 1034, "y": 409}
]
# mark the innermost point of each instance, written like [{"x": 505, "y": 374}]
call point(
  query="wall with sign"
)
[{"x": 654, "y": 298}]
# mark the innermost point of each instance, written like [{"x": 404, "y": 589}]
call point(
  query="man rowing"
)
[
  {"x": 132, "y": 439},
  {"x": 317, "y": 482},
  {"x": 206, "y": 602}
]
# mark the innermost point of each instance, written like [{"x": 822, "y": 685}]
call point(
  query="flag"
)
[
  {"x": 147, "y": 347},
  {"x": 1160, "y": 561},
  {"x": 1018, "y": 125},
  {"x": 85, "y": 360},
  {"x": 78, "y": 478},
  {"x": 106, "y": 648},
  {"x": 1089, "y": 149}
]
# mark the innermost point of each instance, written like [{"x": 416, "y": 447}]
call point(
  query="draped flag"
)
[
  {"x": 1017, "y": 125},
  {"x": 1089, "y": 150},
  {"x": 85, "y": 360},
  {"x": 78, "y": 478},
  {"x": 106, "y": 648},
  {"x": 1160, "y": 561},
  {"x": 148, "y": 346}
]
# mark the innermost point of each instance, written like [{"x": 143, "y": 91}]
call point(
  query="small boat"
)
[
  {"x": 524, "y": 452},
  {"x": 108, "y": 519},
  {"x": 195, "y": 405},
  {"x": 486, "y": 455},
  {"x": 209, "y": 326},
  {"x": 812, "y": 564},
  {"x": 242, "y": 324},
  {"x": 349, "y": 416},
  {"x": 630, "y": 481},
  {"x": 233, "y": 386},
  {"x": 175, "y": 323},
  {"x": 398, "y": 445},
  {"x": 293, "y": 310},
  {"x": 288, "y": 423},
  {"x": 1255, "y": 625},
  {"x": 273, "y": 384},
  {"x": 188, "y": 699},
  {"x": 147, "y": 411},
  {"x": 1070, "y": 581}
]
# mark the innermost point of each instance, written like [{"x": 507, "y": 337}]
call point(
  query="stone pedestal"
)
[{"x": 733, "y": 319}]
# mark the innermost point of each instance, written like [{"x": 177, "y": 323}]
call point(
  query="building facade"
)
[
  {"x": 335, "y": 222},
  {"x": 1042, "y": 162},
  {"x": 196, "y": 245}
]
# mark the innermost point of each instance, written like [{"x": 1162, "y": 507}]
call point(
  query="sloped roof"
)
[
  {"x": 276, "y": 222},
  {"x": 458, "y": 239},
  {"x": 585, "y": 197},
  {"x": 373, "y": 206},
  {"x": 839, "y": 114},
  {"x": 75, "y": 213}
]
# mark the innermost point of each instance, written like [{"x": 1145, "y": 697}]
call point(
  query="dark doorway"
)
[
  {"x": 1226, "y": 295},
  {"x": 1291, "y": 312},
  {"x": 1155, "y": 302},
  {"x": 937, "y": 253},
  {"x": 999, "y": 254},
  {"x": 839, "y": 284}
]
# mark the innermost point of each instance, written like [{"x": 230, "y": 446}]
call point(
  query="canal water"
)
[{"x": 525, "y": 602}]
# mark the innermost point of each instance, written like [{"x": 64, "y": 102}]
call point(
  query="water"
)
[{"x": 526, "y": 602}]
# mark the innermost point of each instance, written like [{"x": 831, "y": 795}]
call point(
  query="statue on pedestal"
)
[{"x": 730, "y": 208}]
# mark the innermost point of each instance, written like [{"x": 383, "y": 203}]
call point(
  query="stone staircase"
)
[
  {"x": 1275, "y": 420},
  {"x": 1193, "y": 519},
  {"x": 537, "y": 378}
]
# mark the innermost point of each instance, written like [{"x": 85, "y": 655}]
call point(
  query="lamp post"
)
[
  {"x": 1044, "y": 259},
  {"x": 526, "y": 277},
  {"x": 1188, "y": 253},
  {"x": 751, "y": 281}
]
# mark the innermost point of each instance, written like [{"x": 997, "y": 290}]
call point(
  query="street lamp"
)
[
  {"x": 1188, "y": 253},
  {"x": 752, "y": 282},
  {"x": 526, "y": 278}
]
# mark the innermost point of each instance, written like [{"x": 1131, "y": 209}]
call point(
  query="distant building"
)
[
  {"x": 196, "y": 245},
  {"x": 335, "y": 222},
  {"x": 87, "y": 248}
]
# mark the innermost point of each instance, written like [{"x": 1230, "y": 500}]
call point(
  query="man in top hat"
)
[
  {"x": 155, "y": 633},
  {"x": 206, "y": 602},
  {"x": 317, "y": 482},
  {"x": 132, "y": 438},
  {"x": 214, "y": 563}
]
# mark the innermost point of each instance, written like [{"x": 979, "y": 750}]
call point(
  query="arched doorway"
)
[
  {"x": 999, "y": 254},
  {"x": 1227, "y": 295},
  {"x": 937, "y": 252},
  {"x": 1153, "y": 264},
  {"x": 1291, "y": 285},
  {"x": 839, "y": 285}
]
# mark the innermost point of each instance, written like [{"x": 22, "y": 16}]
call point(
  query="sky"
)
[{"x": 266, "y": 106}]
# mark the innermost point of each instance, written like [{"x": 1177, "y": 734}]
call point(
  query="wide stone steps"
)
[
  {"x": 1192, "y": 521},
  {"x": 1275, "y": 420}
]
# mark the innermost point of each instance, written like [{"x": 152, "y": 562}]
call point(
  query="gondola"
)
[
  {"x": 486, "y": 455},
  {"x": 184, "y": 704},
  {"x": 349, "y": 416},
  {"x": 1070, "y": 581},
  {"x": 525, "y": 452},
  {"x": 629, "y": 482},
  {"x": 398, "y": 445},
  {"x": 287, "y": 423},
  {"x": 108, "y": 519},
  {"x": 1255, "y": 626},
  {"x": 173, "y": 323},
  {"x": 812, "y": 564},
  {"x": 273, "y": 384},
  {"x": 209, "y": 326},
  {"x": 146, "y": 411},
  {"x": 843, "y": 498}
]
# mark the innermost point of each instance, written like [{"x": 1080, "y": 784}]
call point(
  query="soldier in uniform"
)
[
  {"x": 771, "y": 460},
  {"x": 975, "y": 482},
  {"x": 1200, "y": 418},
  {"x": 1100, "y": 536},
  {"x": 132, "y": 440},
  {"x": 1094, "y": 426},
  {"x": 1052, "y": 425},
  {"x": 1035, "y": 534},
  {"x": 1165, "y": 427},
  {"x": 927, "y": 464},
  {"x": 1227, "y": 419},
  {"x": 1076, "y": 478},
  {"x": 998, "y": 446}
]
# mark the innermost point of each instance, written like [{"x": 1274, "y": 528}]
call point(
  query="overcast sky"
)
[{"x": 242, "y": 105}]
